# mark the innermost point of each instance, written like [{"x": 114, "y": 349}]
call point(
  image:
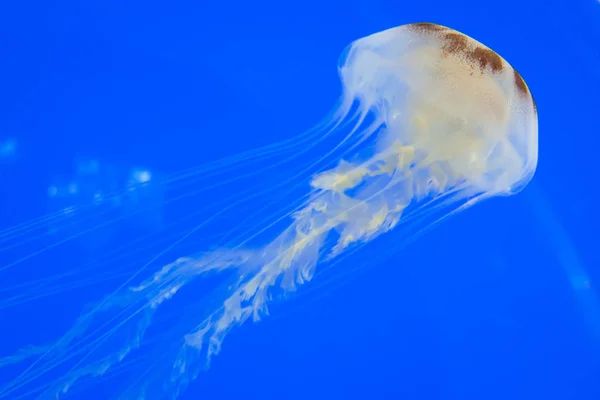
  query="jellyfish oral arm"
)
[{"x": 453, "y": 123}]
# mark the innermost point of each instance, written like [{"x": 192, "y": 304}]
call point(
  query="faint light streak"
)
[{"x": 568, "y": 258}]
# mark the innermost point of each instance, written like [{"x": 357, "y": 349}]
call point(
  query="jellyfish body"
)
[{"x": 450, "y": 123}]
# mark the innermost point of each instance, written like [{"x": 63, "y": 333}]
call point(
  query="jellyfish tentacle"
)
[
  {"x": 291, "y": 259},
  {"x": 454, "y": 124}
]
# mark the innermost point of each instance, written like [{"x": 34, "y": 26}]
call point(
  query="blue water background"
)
[{"x": 499, "y": 302}]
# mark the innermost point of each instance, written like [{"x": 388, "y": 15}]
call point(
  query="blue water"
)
[{"x": 499, "y": 302}]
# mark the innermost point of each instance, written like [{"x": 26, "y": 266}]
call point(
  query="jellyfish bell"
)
[
  {"x": 430, "y": 121},
  {"x": 452, "y": 99}
]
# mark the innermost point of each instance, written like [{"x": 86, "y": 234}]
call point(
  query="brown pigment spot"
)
[
  {"x": 486, "y": 57},
  {"x": 520, "y": 84},
  {"x": 426, "y": 27},
  {"x": 458, "y": 44},
  {"x": 522, "y": 88}
]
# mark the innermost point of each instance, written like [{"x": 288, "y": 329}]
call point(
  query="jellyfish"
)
[{"x": 429, "y": 123}]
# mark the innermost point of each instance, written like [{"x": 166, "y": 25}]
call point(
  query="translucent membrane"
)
[{"x": 429, "y": 123}]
